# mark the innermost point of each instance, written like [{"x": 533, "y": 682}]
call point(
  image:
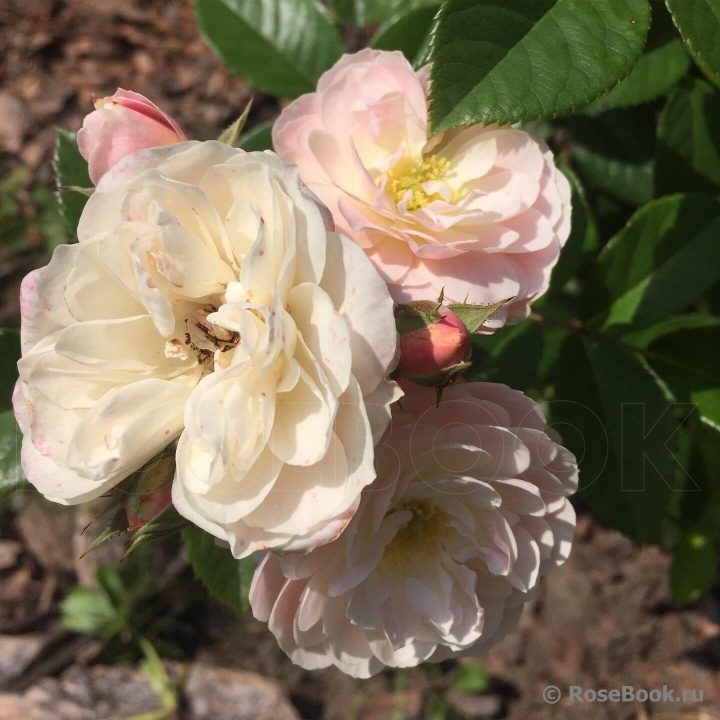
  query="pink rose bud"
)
[
  {"x": 150, "y": 493},
  {"x": 120, "y": 125},
  {"x": 435, "y": 345}
]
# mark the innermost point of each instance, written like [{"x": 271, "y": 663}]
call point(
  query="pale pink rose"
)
[
  {"x": 120, "y": 125},
  {"x": 468, "y": 511},
  {"x": 481, "y": 212}
]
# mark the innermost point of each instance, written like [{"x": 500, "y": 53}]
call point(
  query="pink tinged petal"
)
[
  {"x": 324, "y": 331},
  {"x": 93, "y": 292},
  {"x": 411, "y": 654},
  {"x": 303, "y": 496},
  {"x": 303, "y": 425},
  {"x": 542, "y": 533},
  {"x": 366, "y": 603},
  {"x": 471, "y": 153},
  {"x": 473, "y": 277},
  {"x": 534, "y": 232},
  {"x": 562, "y": 523},
  {"x": 362, "y": 298},
  {"x": 342, "y": 165},
  {"x": 520, "y": 497},
  {"x": 282, "y": 618},
  {"x": 127, "y": 428},
  {"x": 526, "y": 568},
  {"x": 392, "y": 258},
  {"x": 59, "y": 484},
  {"x": 42, "y": 301},
  {"x": 266, "y": 585}
]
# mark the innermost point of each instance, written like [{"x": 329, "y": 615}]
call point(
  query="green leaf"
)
[
  {"x": 666, "y": 257},
  {"x": 694, "y": 568},
  {"x": 584, "y": 236},
  {"x": 102, "y": 611},
  {"x": 633, "y": 184},
  {"x": 508, "y": 61},
  {"x": 259, "y": 138},
  {"x": 688, "y": 148},
  {"x": 225, "y": 577},
  {"x": 615, "y": 418},
  {"x": 70, "y": 169},
  {"x": 686, "y": 359},
  {"x": 359, "y": 13},
  {"x": 9, "y": 355},
  {"x": 471, "y": 677},
  {"x": 231, "y": 135},
  {"x": 279, "y": 46},
  {"x": 12, "y": 477},
  {"x": 699, "y": 24},
  {"x": 407, "y": 32},
  {"x": 660, "y": 67},
  {"x": 656, "y": 73}
]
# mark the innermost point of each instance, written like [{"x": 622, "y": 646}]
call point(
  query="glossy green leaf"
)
[
  {"x": 655, "y": 74},
  {"x": 688, "y": 148},
  {"x": 507, "y": 61},
  {"x": 666, "y": 257},
  {"x": 359, "y": 13},
  {"x": 699, "y": 25},
  {"x": 9, "y": 355},
  {"x": 633, "y": 184},
  {"x": 584, "y": 237},
  {"x": 613, "y": 415},
  {"x": 70, "y": 169},
  {"x": 259, "y": 138},
  {"x": 225, "y": 577},
  {"x": 12, "y": 477},
  {"x": 694, "y": 568},
  {"x": 686, "y": 358},
  {"x": 407, "y": 32},
  {"x": 659, "y": 68},
  {"x": 279, "y": 46}
]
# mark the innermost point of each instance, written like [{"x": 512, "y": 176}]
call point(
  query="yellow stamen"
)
[{"x": 407, "y": 175}]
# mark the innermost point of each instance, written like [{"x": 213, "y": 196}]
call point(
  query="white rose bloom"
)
[
  {"x": 469, "y": 509},
  {"x": 207, "y": 301}
]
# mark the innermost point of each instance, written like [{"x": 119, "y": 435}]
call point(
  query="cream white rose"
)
[{"x": 207, "y": 302}]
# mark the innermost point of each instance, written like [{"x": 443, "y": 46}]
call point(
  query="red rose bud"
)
[
  {"x": 151, "y": 493},
  {"x": 435, "y": 345}
]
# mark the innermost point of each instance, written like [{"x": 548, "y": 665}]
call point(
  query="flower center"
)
[
  {"x": 408, "y": 175},
  {"x": 204, "y": 338},
  {"x": 420, "y": 538}
]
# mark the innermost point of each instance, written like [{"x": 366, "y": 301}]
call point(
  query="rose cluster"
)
[{"x": 245, "y": 323}]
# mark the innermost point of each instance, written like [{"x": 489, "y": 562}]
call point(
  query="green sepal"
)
[
  {"x": 475, "y": 316},
  {"x": 117, "y": 526},
  {"x": 416, "y": 315},
  {"x": 231, "y": 135}
]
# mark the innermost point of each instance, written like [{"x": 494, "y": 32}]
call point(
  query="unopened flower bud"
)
[
  {"x": 151, "y": 493},
  {"x": 435, "y": 345},
  {"x": 120, "y": 125}
]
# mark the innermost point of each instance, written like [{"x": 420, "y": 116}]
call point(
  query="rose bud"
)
[
  {"x": 150, "y": 493},
  {"x": 435, "y": 345},
  {"x": 120, "y": 125}
]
